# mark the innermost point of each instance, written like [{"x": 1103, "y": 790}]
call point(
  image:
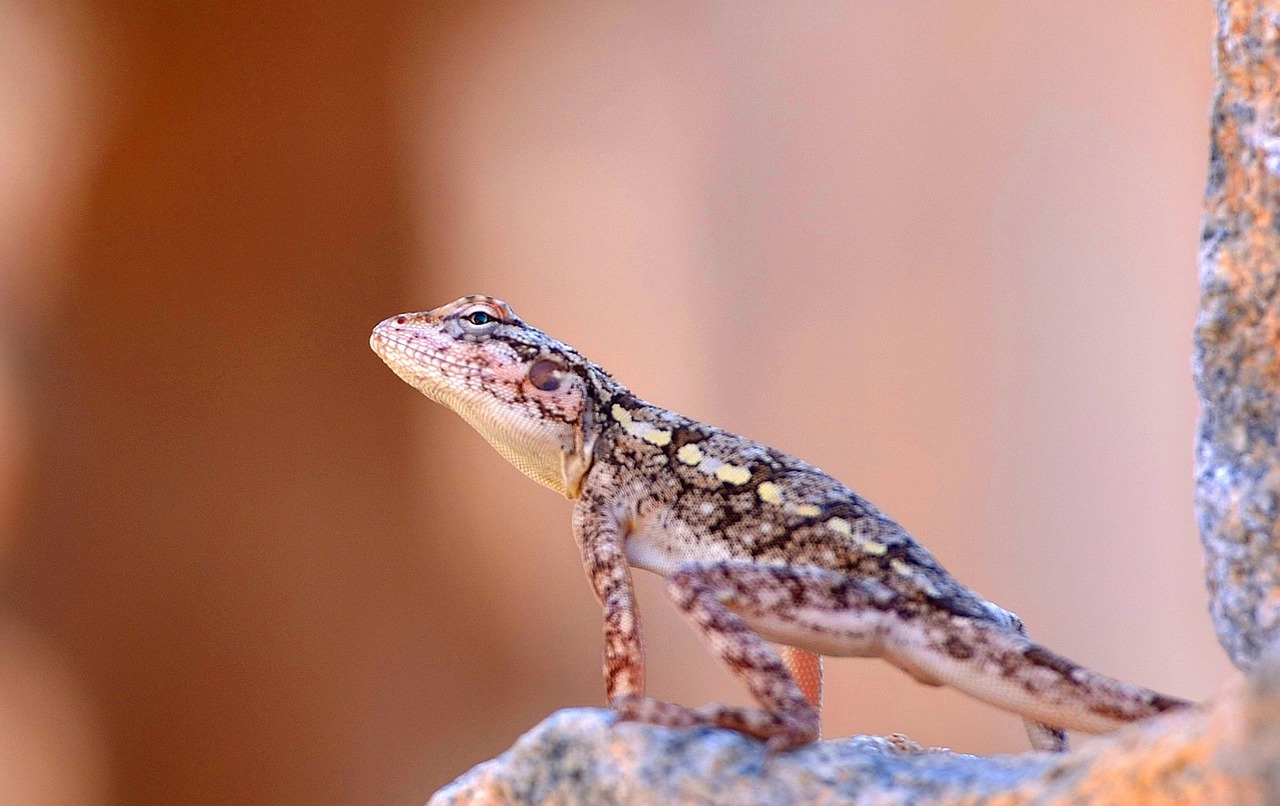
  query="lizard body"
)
[{"x": 755, "y": 545}]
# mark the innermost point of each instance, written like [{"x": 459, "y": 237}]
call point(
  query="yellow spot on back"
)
[
  {"x": 621, "y": 415},
  {"x": 690, "y": 454},
  {"x": 733, "y": 474},
  {"x": 640, "y": 430},
  {"x": 872, "y": 547},
  {"x": 807, "y": 510},
  {"x": 658, "y": 436},
  {"x": 769, "y": 492},
  {"x": 901, "y": 568}
]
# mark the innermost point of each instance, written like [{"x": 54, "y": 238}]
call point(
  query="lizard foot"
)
[{"x": 778, "y": 731}]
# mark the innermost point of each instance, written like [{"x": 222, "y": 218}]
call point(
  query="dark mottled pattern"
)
[
  {"x": 749, "y": 538},
  {"x": 754, "y": 530}
]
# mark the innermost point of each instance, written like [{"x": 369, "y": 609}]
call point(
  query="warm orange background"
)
[{"x": 944, "y": 251}]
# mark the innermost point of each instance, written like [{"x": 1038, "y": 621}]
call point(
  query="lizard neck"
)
[
  {"x": 595, "y": 426},
  {"x": 633, "y": 431}
]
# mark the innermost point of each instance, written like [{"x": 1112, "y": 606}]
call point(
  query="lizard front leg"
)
[
  {"x": 604, "y": 557},
  {"x": 789, "y": 721}
]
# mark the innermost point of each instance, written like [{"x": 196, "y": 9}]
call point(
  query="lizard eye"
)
[
  {"x": 546, "y": 375},
  {"x": 478, "y": 322}
]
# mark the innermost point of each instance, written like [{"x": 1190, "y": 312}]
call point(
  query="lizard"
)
[{"x": 758, "y": 548}]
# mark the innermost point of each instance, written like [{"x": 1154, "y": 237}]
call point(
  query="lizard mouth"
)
[{"x": 398, "y": 352}]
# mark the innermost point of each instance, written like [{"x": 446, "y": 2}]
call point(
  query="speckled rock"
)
[
  {"x": 1237, "y": 337},
  {"x": 580, "y": 756}
]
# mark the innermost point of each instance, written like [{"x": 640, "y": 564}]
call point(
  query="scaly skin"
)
[{"x": 755, "y": 545}]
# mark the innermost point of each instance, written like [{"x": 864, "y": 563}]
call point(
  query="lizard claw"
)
[
  {"x": 778, "y": 732},
  {"x": 637, "y": 708}
]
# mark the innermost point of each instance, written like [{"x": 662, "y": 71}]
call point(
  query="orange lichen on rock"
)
[{"x": 1237, "y": 336}]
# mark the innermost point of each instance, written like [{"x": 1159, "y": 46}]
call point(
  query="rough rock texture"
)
[
  {"x": 1238, "y": 334},
  {"x": 580, "y": 757}
]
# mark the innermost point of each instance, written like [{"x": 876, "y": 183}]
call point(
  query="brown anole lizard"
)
[{"x": 756, "y": 546}]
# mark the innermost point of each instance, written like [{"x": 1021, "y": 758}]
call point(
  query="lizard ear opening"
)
[{"x": 546, "y": 375}]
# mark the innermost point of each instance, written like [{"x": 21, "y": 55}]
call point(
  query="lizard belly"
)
[
  {"x": 662, "y": 544},
  {"x": 841, "y": 635}
]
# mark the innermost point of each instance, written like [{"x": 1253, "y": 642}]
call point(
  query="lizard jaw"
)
[{"x": 488, "y": 385}]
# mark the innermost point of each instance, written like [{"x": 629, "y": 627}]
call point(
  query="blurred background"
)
[{"x": 945, "y": 251}]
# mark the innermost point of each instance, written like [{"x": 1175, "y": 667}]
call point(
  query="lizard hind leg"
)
[
  {"x": 1042, "y": 736},
  {"x": 739, "y": 607},
  {"x": 805, "y": 668},
  {"x": 1046, "y": 737},
  {"x": 788, "y": 717}
]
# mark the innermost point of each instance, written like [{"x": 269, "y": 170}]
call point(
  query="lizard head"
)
[{"x": 529, "y": 395}]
